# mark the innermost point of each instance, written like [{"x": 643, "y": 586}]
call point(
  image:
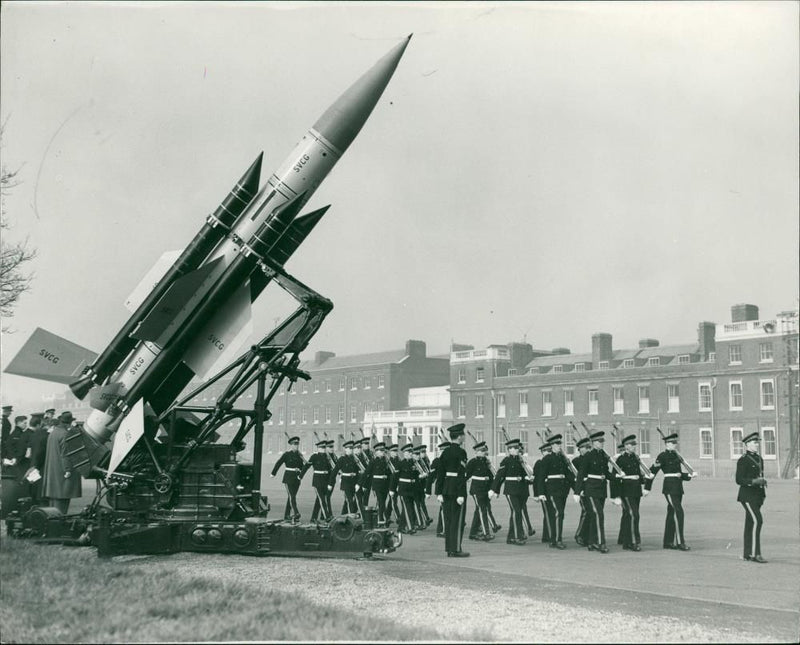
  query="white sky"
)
[{"x": 553, "y": 170}]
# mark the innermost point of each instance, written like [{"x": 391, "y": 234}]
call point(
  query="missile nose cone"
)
[
  {"x": 250, "y": 179},
  {"x": 343, "y": 120}
]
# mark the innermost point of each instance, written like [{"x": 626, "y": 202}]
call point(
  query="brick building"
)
[{"x": 735, "y": 378}]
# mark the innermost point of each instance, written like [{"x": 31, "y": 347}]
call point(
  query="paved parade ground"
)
[{"x": 532, "y": 593}]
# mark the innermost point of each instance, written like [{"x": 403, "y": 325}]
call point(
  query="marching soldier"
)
[
  {"x": 376, "y": 478},
  {"x": 419, "y": 488},
  {"x": 393, "y": 451},
  {"x": 429, "y": 489},
  {"x": 479, "y": 474},
  {"x": 537, "y": 483},
  {"x": 558, "y": 479},
  {"x": 582, "y": 532},
  {"x": 752, "y": 492},
  {"x": 403, "y": 489},
  {"x": 320, "y": 481},
  {"x": 670, "y": 464},
  {"x": 293, "y": 467},
  {"x": 630, "y": 492},
  {"x": 592, "y": 483},
  {"x": 362, "y": 461},
  {"x": 451, "y": 491},
  {"x": 347, "y": 467},
  {"x": 512, "y": 473}
]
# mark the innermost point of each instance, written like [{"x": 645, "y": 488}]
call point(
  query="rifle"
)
[
  {"x": 572, "y": 468},
  {"x": 613, "y": 463},
  {"x": 644, "y": 470},
  {"x": 689, "y": 469}
]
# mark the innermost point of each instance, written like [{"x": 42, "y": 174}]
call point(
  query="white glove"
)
[
  {"x": 8, "y": 462},
  {"x": 459, "y": 500},
  {"x": 391, "y": 493},
  {"x": 358, "y": 488},
  {"x": 617, "y": 501},
  {"x": 427, "y": 495},
  {"x": 272, "y": 475},
  {"x": 492, "y": 494},
  {"x": 645, "y": 493},
  {"x": 577, "y": 498},
  {"x": 440, "y": 499},
  {"x": 67, "y": 475},
  {"x": 692, "y": 475},
  {"x": 542, "y": 498},
  {"x": 330, "y": 487}
]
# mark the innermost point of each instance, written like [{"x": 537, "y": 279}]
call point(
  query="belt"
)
[
  {"x": 555, "y": 477},
  {"x": 320, "y": 472},
  {"x": 513, "y": 479},
  {"x": 480, "y": 479},
  {"x": 596, "y": 476},
  {"x": 297, "y": 470},
  {"x": 631, "y": 477},
  {"x": 379, "y": 477},
  {"x": 406, "y": 481},
  {"x": 672, "y": 474},
  {"x": 452, "y": 474},
  {"x": 348, "y": 474}
]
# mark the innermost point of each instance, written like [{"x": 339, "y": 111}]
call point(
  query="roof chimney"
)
[
  {"x": 648, "y": 342},
  {"x": 743, "y": 313},
  {"x": 601, "y": 347}
]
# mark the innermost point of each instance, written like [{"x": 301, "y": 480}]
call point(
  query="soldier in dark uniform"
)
[
  {"x": 294, "y": 465},
  {"x": 347, "y": 468},
  {"x": 558, "y": 479},
  {"x": 49, "y": 415},
  {"x": 362, "y": 461},
  {"x": 582, "y": 532},
  {"x": 7, "y": 410},
  {"x": 429, "y": 490},
  {"x": 592, "y": 481},
  {"x": 376, "y": 477},
  {"x": 537, "y": 483},
  {"x": 670, "y": 464},
  {"x": 402, "y": 488},
  {"x": 13, "y": 451},
  {"x": 393, "y": 452},
  {"x": 479, "y": 474},
  {"x": 752, "y": 492},
  {"x": 420, "y": 454},
  {"x": 512, "y": 473},
  {"x": 37, "y": 444},
  {"x": 320, "y": 482},
  {"x": 451, "y": 491},
  {"x": 630, "y": 492}
]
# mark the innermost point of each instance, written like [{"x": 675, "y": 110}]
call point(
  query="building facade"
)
[{"x": 736, "y": 378}]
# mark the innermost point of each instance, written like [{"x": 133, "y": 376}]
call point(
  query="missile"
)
[{"x": 202, "y": 304}]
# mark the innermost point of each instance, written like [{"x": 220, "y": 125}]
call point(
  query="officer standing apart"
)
[
  {"x": 451, "y": 491},
  {"x": 293, "y": 463},
  {"x": 670, "y": 464},
  {"x": 752, "y": 491}
]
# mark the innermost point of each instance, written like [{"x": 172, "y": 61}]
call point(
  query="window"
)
[
  {"x": 342, "y": 383},
  {"x": 461, "y": 406},
  {"x": 569, "y": 402},
  {"x": 523, "y": 404},
  {"x": 618, "y": 395},
  {"x": 628, "y": 362},
  {"x": 768, "y": 395},
  {"x": 524, "y": 437},
  {"x": 736, "y": 395},
  {"x": 644, "y": 399},
  {"x": 673, "y": 398},
  {"x": 341, "y": 413},
  {"x": 280, "y": 415},
  {"x": 303, "y": 387},
  {"x": 512, "y": 371},
  {"x": 353, "y": 383},
  {"x": 353, "y": 412},
  {"x": 402, "y": 431},
  {"x": 768, "y": 443},
  {"x": 479, "y": 405},
  {"x": 654, "y": 361},
  {"x": 594, "y": 402},
  {"x": 501, "y": 406},
  {"x": 316, "y": 387},
  {"x": 580, "y": 367},
  {"x": 644, "y": 442},
  {"x": 328, "y": 385},
  {"x": 379, "y": 406},
  {"x": 380, "y": 381},
  {"x": 316, "y": 414},
  {"x": 292, "y": 415},
  {"x": 462, "y": 375},
  {"x": 557, "y": 369},
  {"x": 706, "y": 444},
  {"x": 712, "y": 357},
  {"x": 602, "y": 365},
  {"x": 479, "y": 375},
  {"x": 547, "y": 403},
  {"x": 704, "y": 397},
  {"x": 765, "y": 352},
  {"x": 735, "y": 354},
  {"x": 367, "y": 382},
  {"x": 387, "y": 436},
  {"x": 327, "y": 414},
  {"x": 569, "y": 442},
  {"x": 684, "y": 359},
  {"x": 737, "y": 448},
  {"x": 303, "y": 415},
  {"x": 282, "y": 391}
]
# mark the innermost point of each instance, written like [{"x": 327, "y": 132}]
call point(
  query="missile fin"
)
[
  {"x": 223, "y": 335},
  {"x": 130, "y": 431},
  {"x": 49, "y": 357},
  {"x": 151, "y": 279},
  {"x": 173, "y": 302}
]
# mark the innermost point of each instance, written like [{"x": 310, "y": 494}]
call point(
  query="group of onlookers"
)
[{"x": 34, "y": 460}]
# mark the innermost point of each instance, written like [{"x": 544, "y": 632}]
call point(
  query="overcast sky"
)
[{"x": 540, "y": 171}]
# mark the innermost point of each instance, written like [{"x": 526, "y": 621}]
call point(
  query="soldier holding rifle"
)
[
  {"x": 320, "y": 481},
  {"x": 752, "y": 492},
  {"x": 558, "y": 474},
  {"x": 479, "y": 474},
  {"x": 670, "y": 462},
  {"x": 592, "y": 481},
  {"x": 376, "y": 477},
  {"x": 347, "y": 467},
  {"x": 293, "y": 464},
  {"x": 513, "y": 474},
  {"x": 582, "y": 532},
  {"x": 537, "y": 482},
  {"x": 630, "y": 491}
]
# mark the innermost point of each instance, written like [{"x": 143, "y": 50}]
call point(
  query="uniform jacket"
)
[
  {"x": 322, "y": 469},
  {"x": 453, "y": 460},
  {"x": 594, "y": 474},
  {"x": 430, "y": 480},
  {"x": 56, "y": 464},
  {"x": 347, "y": 467},
  {"x": 670, "y": 464},
  {"x": 405, "y": 479},
  {"x": 749, "y": 467},
  {"x": 631, "y": 484},
  {"x": 480, "y": 474},
  {"x": 15, "y": 446},
  {"x": 556, "y": 475},
  {"x": 512, "y": 473},
  {"x": 37, "y": 442},
  {"x": 377, "y": 475},
  {"x": 293, "y": 464}
]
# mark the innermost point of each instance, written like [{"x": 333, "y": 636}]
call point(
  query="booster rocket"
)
[{"x": 197, "y": 313}]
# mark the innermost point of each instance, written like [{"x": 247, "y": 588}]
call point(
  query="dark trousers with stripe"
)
[
  {"x": 350, "y": 504},
  {"x": 322, "y": 503},
  {"x": 440, "y": 521},
  {"x": 547, "y": 528},
  {"x": 753, "y": 522},
  {"x": 495, "y": 524},
  {"x": 481, "y": 525},
  {"x": 516, "y": 525},
  {"x": 673, "y": 526},
  {"x": 526, "y": 518},
  {"x": 582, "y": 532},
  {"x": 381, "y": 493},
  {"x": 555, "y": 515},
  {"x": 291, "y": 512},
  {"x": 454, "y": 522},
  {"x": 596, "y": 518},
  {"x": 422, "y": 508},
  {"x": 407, "y": 518},
  {"x": 629, "y": 523}
]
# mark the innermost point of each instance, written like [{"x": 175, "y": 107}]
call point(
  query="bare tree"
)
[{"x": 14, "y": 279}]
